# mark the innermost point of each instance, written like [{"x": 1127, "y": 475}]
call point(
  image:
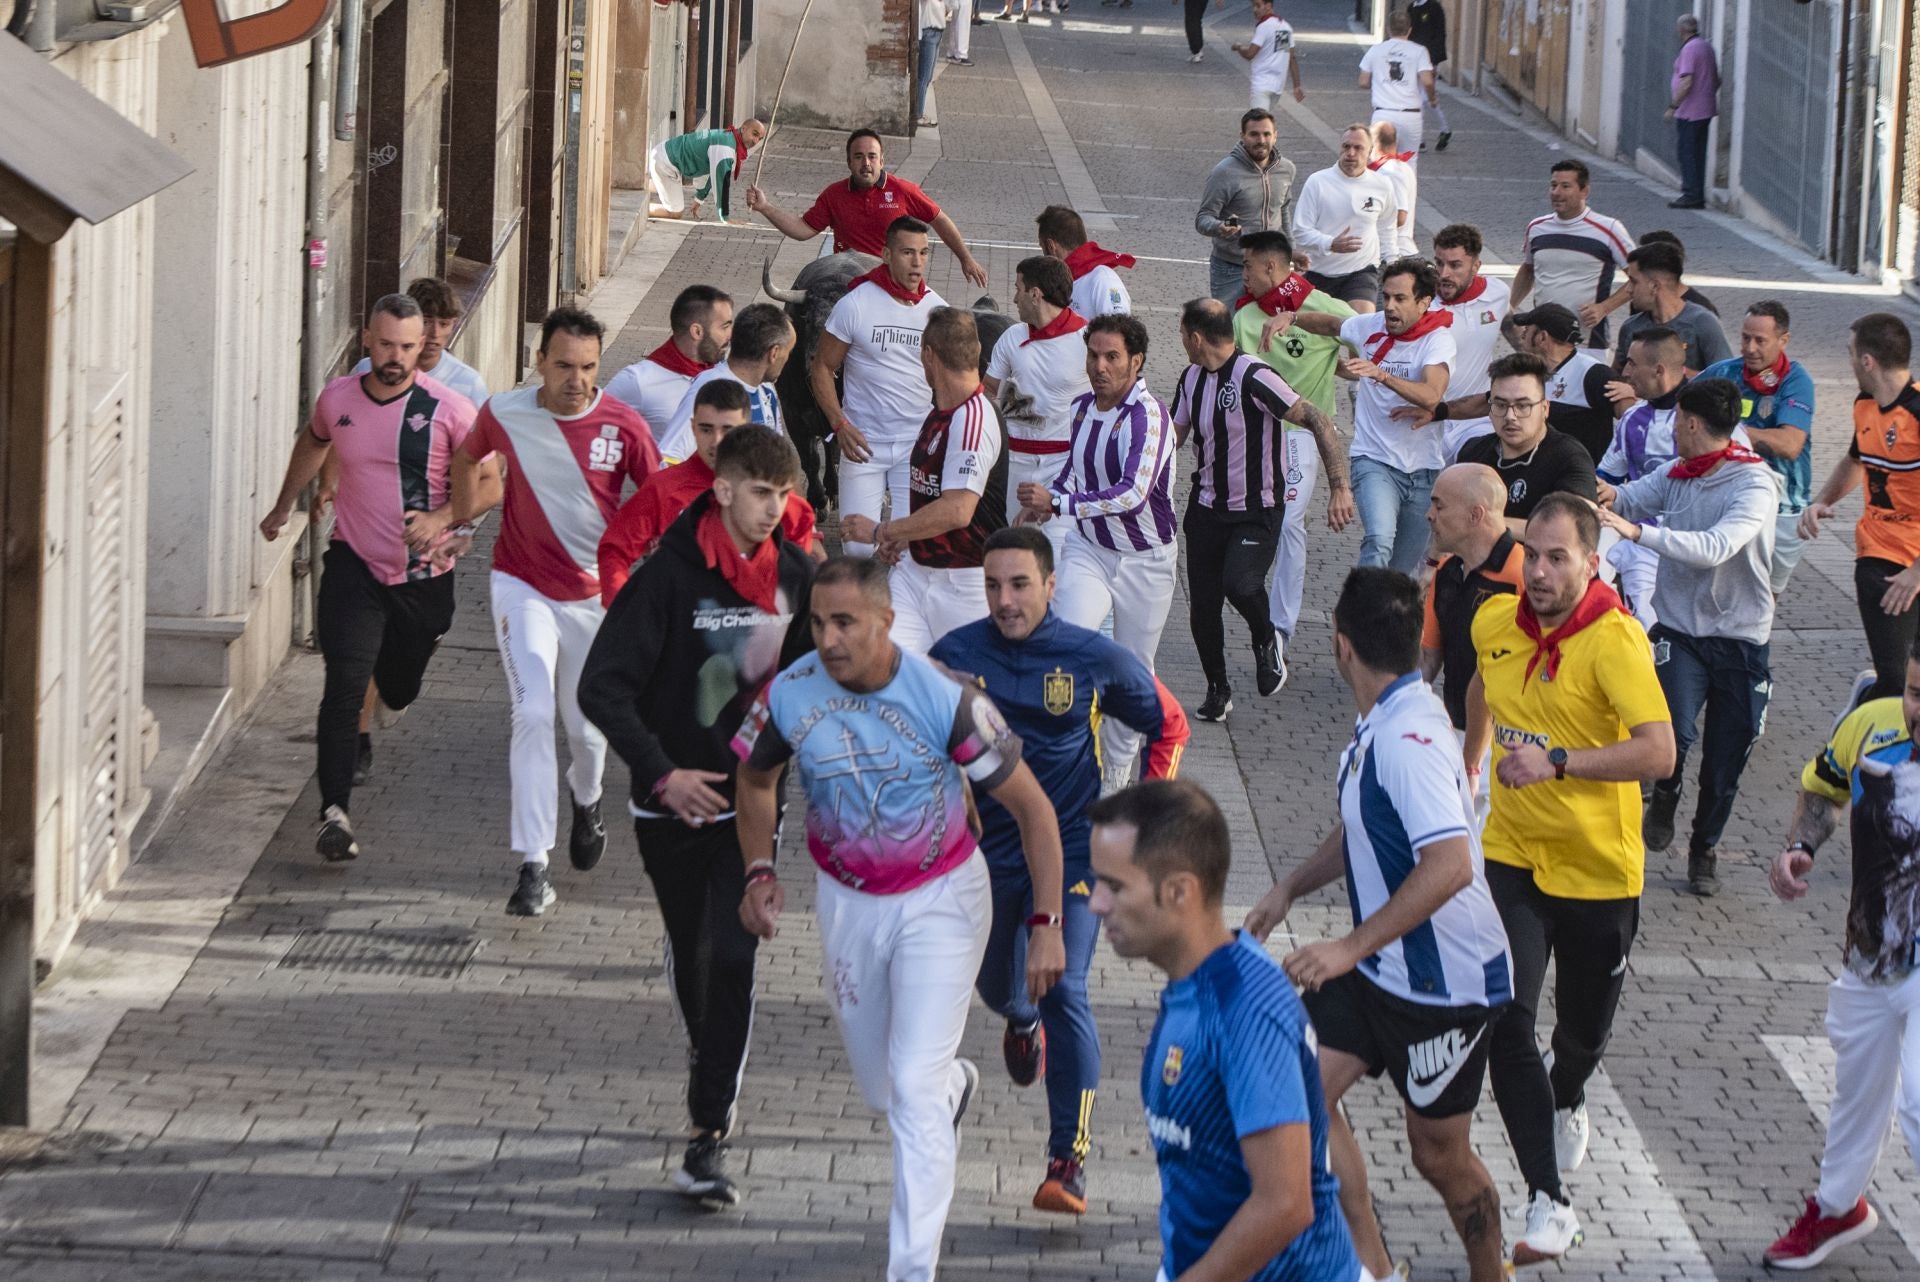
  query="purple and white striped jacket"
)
[{"x": 1117, "y": 482}]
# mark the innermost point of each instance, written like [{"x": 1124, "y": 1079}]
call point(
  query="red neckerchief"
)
[
  {"x": 1467, "y": 295},
  {"x": 1768, "y": 380},
  {"x": 669, "y": 357},
  {"x": 1441, "y": 319},
  {"x": 1084, "y": 259},
  {"x": 1700, "y": 464},
  {"x": 1287, "y": 296},
  {"x": 739, "y": 150},
  {"x": 1402, "y": 156},
  {"x": 1065, "y": 323},
  {"x": 1594, "y": 605},
  {"x": 755, "y": 576},
  {"x": 884, "y": 279}
]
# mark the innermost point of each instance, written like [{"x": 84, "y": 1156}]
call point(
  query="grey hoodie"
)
[
  {"x": 1715, "y": 542},
  {"x": 1262, "y": 197}
]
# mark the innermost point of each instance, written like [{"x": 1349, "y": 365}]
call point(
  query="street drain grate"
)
[{"x": 427, "y": 954}]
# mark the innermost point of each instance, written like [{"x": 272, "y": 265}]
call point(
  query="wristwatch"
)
[
  {"x": 1799, "y": 845},
  {"x": 1043, "y": 919},
  {"x": 1557, "y": 757}
]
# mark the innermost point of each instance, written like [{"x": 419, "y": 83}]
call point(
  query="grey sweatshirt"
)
[
  {"x": 1715, "y": 543},
  {"x": 1262, "y": 197}
]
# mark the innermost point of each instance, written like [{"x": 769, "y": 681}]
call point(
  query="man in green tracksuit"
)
[
  {"x": 708, "y": 160},
  {"x": 1307, "y": 362}
]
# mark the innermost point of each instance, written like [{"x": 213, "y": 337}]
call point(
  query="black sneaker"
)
[
  {"x": 1446, "y": 136},
  {"x": 534, "y": 895},
  {"x": 1217, "y": 704},
  {"x": 1025, "y": 1050},
  {"x": 1656, "y": 827},
  {"x": 335, "y": 842},
  {"x": 363, "y": 761},
  {"x": 588, "y": 840},
  {"x": 967, "y": 1092},
  {"x": 1703, "y": 878},
  {"x": 703, "y": 1177},
  {"x": 1269, "y": 667}
]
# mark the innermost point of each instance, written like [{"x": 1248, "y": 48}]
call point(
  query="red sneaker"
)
[
  {"x": 1814, "y": 1236},
  {"x": 1025, "y": 1051}
]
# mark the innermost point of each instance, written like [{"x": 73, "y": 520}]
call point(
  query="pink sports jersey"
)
[
  {"x": 564, "y": 482},
  {"x": 394, "y": 457}
]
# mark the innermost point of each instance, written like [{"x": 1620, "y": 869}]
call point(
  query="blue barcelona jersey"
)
[
  {"x": 1233, "y": 1055},
  {"x": 1050, "y": 687}
]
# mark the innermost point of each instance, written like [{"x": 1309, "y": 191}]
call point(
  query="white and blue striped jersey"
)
[{"x": 1402, "y": 788}]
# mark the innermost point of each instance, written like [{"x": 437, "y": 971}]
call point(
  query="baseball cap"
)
[{"x": 1561, "y": 325}]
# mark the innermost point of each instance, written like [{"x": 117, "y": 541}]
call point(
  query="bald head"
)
[
  {"x": 1476, "y": 484},
  {"x": 1467, "y": 512},
  {"x": 1386, "y": 138}
]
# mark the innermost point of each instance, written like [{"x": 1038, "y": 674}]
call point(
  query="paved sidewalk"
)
[{"x": 477, "y": 1096}]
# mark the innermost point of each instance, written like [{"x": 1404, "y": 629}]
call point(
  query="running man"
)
[
  {"x": 1235, "y": 409},
  {"x": 1868, "y": 765},
  {"x": 873, "y": 333},
  {"x": 683, "y": 654},
  {"x": 1097, "y": 287},
  {"x": 1230, "y": 1080},
  {"x": 702, "y": 322},
  {"x": 1530, "y": 457},
  {"x": 1413, "y": 988},
  {"x": 1659, "y": 302},
  {"x": 886, "y": 747},
  {"x": 1643, "y": 446},
  {"x": 1037, "y": 371},
  {"x": 1048, "y": 678},
  {"x": 1399, "y": 73},
  {"x": 1479, "y": 558},
  {"x": 762, "y": 341},
  {"x": 1250, "y": 190},
  {"x": 1276, "y": 62},
  {"x": 569, "y": 450},
  {"x": 1478, "y": 303},
  {"x": 1394, "y": 165},
  {"x": 1347, "y": 217},
  {"x": 957, "y": 488},
  {"x": 1577, "y": 381},
  {"x": 1114, "y": 500},
  {"x": 1567, "y": 691},
  {"x": 386, "y": 597},
  {"x": 1572, "y": 254},
  {"x": 439, "y": 315}
]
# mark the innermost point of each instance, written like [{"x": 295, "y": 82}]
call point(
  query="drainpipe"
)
[
  {"x": 314, "y": 339},
  {"x": 1850, "y": 145},
  {"x": 346, "y": 105}
]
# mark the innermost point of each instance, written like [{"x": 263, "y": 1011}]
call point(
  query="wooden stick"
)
[{"x": 761, "y": 160}]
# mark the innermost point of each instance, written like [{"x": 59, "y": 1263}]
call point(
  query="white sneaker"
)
[
  {"x": 385, "y": 718},
  {"x": 1570, "y": 1132},
  {"x": 1552, "y": 1230},
  {"x": 1862, "y": 682},
  {"x": 1196, "y": 57}
]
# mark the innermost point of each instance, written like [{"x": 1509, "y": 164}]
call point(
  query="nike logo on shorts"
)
[
  {"x": 1620, "y": 969},
  {"x": 1432, "y": 1065}
]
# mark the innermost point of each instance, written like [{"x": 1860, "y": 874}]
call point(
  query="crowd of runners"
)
[{"x": 1573, "y": 551}]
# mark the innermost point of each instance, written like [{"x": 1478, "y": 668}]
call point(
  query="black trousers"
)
[
  {"x": 698, "y": 878},
  {"x": 1889, "y": 636},
  {"x": 1228, "y": 557},
  {"x": 1196, "y": 38},
  {"x": 369, "y": 630},
  {"x": 1589, "y": 940}
]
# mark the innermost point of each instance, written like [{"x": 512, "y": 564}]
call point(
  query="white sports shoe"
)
[
  {"x": 1862, "y": 683},
  {"x": 1570, "y": 1132},
  {"x": 1552, "y": 1230},
  {"x": 1196, "y": 57},
  {"x": 386, "y": 718}
]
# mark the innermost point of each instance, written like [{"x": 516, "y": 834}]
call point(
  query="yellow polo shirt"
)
[{"x": 1579, "y": 837}]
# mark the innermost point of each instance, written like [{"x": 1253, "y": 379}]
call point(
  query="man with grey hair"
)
[{"x": 1692, "y": 103}]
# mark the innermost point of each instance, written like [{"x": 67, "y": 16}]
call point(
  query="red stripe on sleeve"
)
[{"x": 1164, "y": 752}]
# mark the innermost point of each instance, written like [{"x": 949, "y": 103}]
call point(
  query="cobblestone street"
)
[{"x": 504, "y": 1099}]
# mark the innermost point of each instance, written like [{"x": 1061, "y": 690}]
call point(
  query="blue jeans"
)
[
  {"x": 1073, "y": 1043},
  {"x": 1729, "y": 680},
  {"x": 929, "y": 57},
  {"x": 1224, "y": 280},
  {"x": 1690, "y": 141},
  {"x": 1393, "y": 511}
]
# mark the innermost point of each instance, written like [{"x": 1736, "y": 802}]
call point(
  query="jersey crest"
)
[
  {"x": 1056, "y": 692},
  {"x": 1170, "y": 1066}
]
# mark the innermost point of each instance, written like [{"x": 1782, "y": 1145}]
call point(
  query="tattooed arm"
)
[
  {"x": 1333, "y": 460},
  {"x": 1814, "y": 819}
]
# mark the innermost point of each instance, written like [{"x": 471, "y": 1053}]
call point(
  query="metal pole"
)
[
  {"x": 570, "y": 185},
  {"x": 315, "y": 346},
  {"x": 346, "y": 106}
]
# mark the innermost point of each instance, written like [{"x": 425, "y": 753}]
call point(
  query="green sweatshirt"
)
[
  {"x": 706, "y": 159},
  {"x": 1305, "y": 360}
]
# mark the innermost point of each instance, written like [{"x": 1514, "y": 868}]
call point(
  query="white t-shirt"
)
[
  {"x": 451, "y": 372},
  {"x": 1376, "y": 433},
  {"x": 763, "y": 402},
  {"x": 1101, "y": 292},
  {"x": 1476, "y": 335},
  {"x": 1395, "y": 66},
  {"x": 1575, "y": 260},
  {"x": 1274, "y": 39},
  {"x": 1405, "y": 182},
  {"x": 1331, "y": 203},
  {"x": 884, "y": 389},
  {"x": 652, "y": 389},
  {"x": 1048, "y": 372}
]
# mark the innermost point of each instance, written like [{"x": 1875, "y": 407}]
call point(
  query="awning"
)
[{"x": 64, "y": 154}]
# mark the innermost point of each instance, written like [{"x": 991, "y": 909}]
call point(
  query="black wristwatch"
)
[
  {"x": 1440, "y": 412},
  {"x": 1557, "y": 757},
  {"x": 1800, "y": 845}
]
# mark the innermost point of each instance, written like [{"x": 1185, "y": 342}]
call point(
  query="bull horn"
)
[{"x": 774, "y": 291}]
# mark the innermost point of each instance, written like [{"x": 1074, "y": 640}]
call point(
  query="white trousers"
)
[
  {"x": 960, "y": 28},
  {"x": 1408, "y": 127},
  {"x": 1638, "y": 567},
  {"x": 543, "y": 645},
  {"x": 1302, "y": 463},
  {"x": 1875, "y": 1031},
  {"x": 1036, "y": 469},
  {"x": 882, "y": 478},
  {"x": 668, "y": 190},
  {"x": 1138, "y": 588},
  {"x": 929, "y": 603},
  {"x": 899, "y": 970}
]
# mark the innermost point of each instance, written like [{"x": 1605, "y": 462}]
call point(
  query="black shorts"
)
[
  {"x": 1362, "y": 286},
  {"x": 1436, "y": 1054}
]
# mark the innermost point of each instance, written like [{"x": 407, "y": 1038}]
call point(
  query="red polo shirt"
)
[{"x": 859, "y": 219}]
